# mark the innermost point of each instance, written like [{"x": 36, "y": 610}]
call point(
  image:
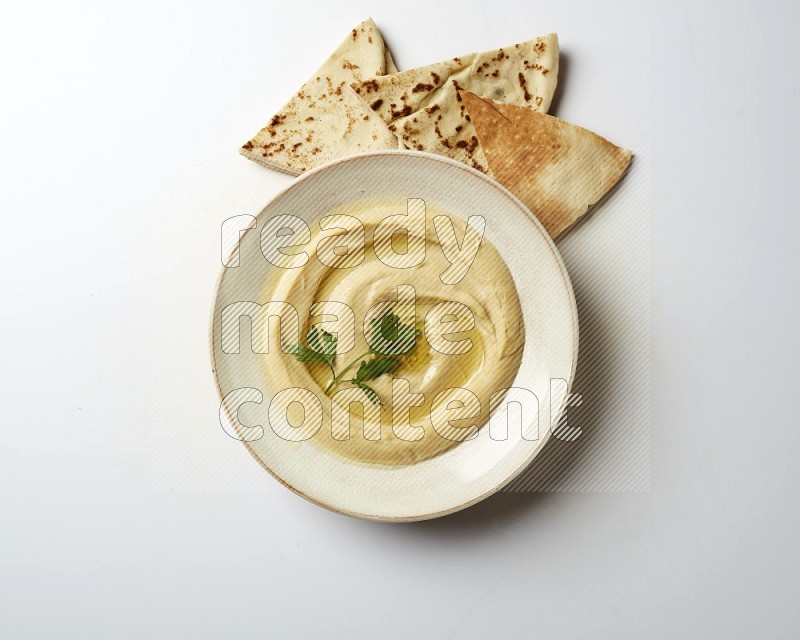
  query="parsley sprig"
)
[{"x": 391, "y": 339}]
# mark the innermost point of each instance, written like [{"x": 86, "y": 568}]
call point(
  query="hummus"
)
[{"x": 488, "y": 366}]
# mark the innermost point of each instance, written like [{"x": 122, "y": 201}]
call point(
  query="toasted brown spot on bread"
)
[
  {"x": 370, "y": 86},
  {"x": 402, "y": 113},
  {"x": 524, "y": 86}
]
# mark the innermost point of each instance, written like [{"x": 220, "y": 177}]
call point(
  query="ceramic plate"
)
[{"x": 520, "y": 427}]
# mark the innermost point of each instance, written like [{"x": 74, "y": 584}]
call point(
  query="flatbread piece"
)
[
  {"x": 557, "y": 169},
  {"x": 423, "y": 108},
  {"x": 325, "y": 119}
]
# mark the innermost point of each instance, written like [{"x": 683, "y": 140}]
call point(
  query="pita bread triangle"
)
[
  {"x": 423, "y": 108},
  {"x": 325, "y": 119},
  {"x": 557, "y": 169}
]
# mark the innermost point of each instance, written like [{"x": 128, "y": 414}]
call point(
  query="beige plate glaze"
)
[{"x": 474, "y": 469}]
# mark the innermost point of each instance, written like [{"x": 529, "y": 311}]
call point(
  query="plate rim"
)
[{"x": 529, "y": 216}]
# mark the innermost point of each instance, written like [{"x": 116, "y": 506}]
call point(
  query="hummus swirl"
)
[{"x": 489, "y": 366}]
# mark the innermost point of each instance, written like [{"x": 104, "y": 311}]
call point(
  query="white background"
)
[{"x": 119, "y": 132}]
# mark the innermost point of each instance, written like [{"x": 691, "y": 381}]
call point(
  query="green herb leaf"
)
[
  {"x": 375, "y": 368},
  {"x": 390, "y": 327},
  {"x": 395, "y": 338},
  {"x": 304, "y": 354},
  {"x": 324, "y": 344},
  {"x": 370, "y": 392},
  {"x": 392, "y": 337}
]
